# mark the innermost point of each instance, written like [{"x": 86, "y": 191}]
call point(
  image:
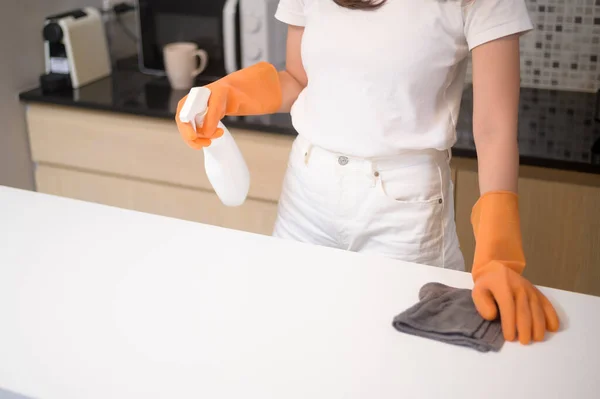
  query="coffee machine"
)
[{"x": 76, "y": 50}]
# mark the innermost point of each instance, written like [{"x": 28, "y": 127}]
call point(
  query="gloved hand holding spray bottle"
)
[
  {"x": 251, "y": 91},
  {"x": 224, "y": 163}
]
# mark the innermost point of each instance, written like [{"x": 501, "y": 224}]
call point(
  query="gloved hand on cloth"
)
[
  {"x": 497, "y": 271},
  {"x": 254, "y": 90},
  {"x": 469, "y": 318}
]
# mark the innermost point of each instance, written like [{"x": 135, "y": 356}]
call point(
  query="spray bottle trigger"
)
[{"x": 195, "y": 107}]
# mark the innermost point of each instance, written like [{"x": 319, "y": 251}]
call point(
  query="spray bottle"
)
[{"x": 224, "y": 163}]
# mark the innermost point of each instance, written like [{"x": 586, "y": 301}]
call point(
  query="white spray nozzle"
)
[{"x": 195, "y": 105}]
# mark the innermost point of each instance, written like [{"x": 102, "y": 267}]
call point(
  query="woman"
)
[{"x": 374, "y": 89}]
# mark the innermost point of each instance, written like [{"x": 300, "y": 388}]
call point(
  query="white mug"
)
[{"x": 181, "y": 65}]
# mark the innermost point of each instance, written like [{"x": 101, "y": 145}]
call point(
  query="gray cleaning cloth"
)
[{"x": 449, "y": 315}]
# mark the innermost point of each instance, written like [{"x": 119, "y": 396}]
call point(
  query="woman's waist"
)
[
  {"x": 316, "y": 151},
  {"x": 370, "y": 137}
]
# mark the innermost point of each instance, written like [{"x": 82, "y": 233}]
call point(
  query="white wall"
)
[{"x": 21, "y": 63}]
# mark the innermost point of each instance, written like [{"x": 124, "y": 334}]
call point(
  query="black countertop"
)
[{"x": 557, "y": 129}]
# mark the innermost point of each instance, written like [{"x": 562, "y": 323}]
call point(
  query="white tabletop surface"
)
[{"x": 99, "y": 302}]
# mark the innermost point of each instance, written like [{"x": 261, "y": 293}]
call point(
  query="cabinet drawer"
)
[
  {"x": 254, "y": 216},
  {"x": 146, "y": 148}
]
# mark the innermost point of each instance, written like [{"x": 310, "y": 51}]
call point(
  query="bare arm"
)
[
  {"x": 293, "y": 80},
  {"x": 496, "y": 84}
]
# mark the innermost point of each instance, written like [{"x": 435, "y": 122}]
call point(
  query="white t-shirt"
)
[{"x": 391, "y": 79}]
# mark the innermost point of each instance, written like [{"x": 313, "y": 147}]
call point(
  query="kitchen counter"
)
[
  {"x": 556, "y": 129},
  {"x": 101, "y": 302}
]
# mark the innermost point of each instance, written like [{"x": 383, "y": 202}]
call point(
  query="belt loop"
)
[
  {"x": 307, "y": 153},
  {"x": 375, "y": 175},
  {"x": 449, "y": 155}
]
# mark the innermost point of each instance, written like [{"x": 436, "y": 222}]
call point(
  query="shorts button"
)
[
  {"x": 343, "y": 160},
  {"x": 376, "y": 174},
  {"x": 440, "y": 201}
]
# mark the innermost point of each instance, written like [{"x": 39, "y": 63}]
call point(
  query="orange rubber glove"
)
[
  {"x": 250, "y": 91},
  {"x": 497, "y": 267}
]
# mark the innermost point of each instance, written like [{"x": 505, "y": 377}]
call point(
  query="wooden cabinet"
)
[
  {"x": 140, "y": 163},
  {"x": 146, "y": 149},
  {"x": 254, "y": 216},
  {"x": 560, "y": 223}
]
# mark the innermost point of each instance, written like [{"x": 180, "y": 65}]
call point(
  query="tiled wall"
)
[{"x": 563, "y": 52}]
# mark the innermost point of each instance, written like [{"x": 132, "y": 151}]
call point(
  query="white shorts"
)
[{"x": 401, "y": 207}]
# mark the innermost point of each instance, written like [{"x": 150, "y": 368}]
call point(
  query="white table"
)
[{"x": 99, "y": 302}]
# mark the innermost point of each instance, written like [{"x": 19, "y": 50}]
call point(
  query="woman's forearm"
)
[
  {"x": 496, "y": 86},
  {"x": 498, "y": 161},
  {"x": 290, "y": 90}
]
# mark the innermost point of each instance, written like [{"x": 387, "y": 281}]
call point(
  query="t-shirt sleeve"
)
[
  {"x": 487, "y": 20},
  {"x": 291, "y": 12}
]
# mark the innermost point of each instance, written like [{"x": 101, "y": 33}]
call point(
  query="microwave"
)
[{"x": 234, "y": 33}]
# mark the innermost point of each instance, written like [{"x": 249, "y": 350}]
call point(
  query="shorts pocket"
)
[
  {"x": 409, "y": 224},
  {"x": 416, "y": 183}
]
